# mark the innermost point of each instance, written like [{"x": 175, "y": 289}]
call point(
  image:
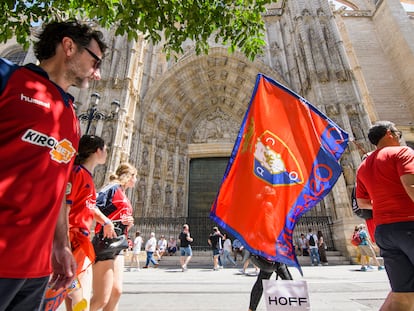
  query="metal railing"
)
[{"x": 201, "y": 227}]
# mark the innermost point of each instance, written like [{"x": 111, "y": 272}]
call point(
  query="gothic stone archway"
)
[{"x": 194, "y": 111}]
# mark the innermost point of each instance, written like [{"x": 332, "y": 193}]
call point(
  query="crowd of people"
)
[
  {"x": 314, "y": 246},
  {"x": 155, "y": 249},
  {"x": 46, "y": 174}
]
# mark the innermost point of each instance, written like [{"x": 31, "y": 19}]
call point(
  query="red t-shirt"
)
[
  {"x": 378, "y": 179},
  {"x": 114, "y": 204},
  {"x": 81, "y": 196},
  {"x": 39, "y": 136}
]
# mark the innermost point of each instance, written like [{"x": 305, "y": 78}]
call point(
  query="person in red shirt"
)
[
  {"x": 81, "y": 201},
  {"x": 39, "y": 136},
  {"x": 108, "y": 269},
  {"x": 385, "y": 184}
]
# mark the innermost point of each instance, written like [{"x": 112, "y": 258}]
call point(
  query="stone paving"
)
[{"x": 331, "y": 288}]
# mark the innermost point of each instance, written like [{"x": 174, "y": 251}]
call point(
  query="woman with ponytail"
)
[
  {"x": 81, "y": 201},
  {"x": 108, "y": 268}
]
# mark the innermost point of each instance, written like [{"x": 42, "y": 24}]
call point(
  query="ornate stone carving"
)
[
  {"x": 357, "y": 130},
  {"x": 157, "y": 163},
  {"x": 331, "y": 110},
  {"x": 348, "y": 170},
  {"x": 351, "y": 109},
  {"x": 170, "y": 167},
  {"x": 318, "y": 57},
  {"x": 216, "y": 126},
  {"x": 168, "y": 196},
  {"x": 181, "y": 169},
  {"x": 144, "y": 168},
  {"x": 155, "y": 193},
  {"x": 180, "y": 199},
  {"x": 142, "y": 190}
]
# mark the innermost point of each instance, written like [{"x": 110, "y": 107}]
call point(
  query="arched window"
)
[
  {"x": 15, "y": 54},
  {"x": 344, "y": 3}
]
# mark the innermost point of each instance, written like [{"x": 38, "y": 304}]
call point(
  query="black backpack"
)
[
  {"x": 362, "y": 213},
  {"x": 311, "y": 240}
]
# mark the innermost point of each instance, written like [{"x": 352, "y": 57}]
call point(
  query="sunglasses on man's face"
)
[
  {"x": 96, "y": 57},
  {"x": 398, "y": 134}
]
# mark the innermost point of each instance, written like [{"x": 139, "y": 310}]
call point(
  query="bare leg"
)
[
  {"x": 364, "y": 261},
  {"x": 215, "y": 262},
  {"x": 398, "y": 302},
  {"x": 137, "y": 259},
  {"x": 184, "y": 261},
  {"x": 377, "y": 263},
  {"x": 246, "y": 265},
  {"x": 85, "y": 290},
  {"x": 112, "y": 304},
  {"x": 103, "y": 278}
]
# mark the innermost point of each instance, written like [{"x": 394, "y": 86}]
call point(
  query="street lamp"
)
[{"x": 93, "y": 114}]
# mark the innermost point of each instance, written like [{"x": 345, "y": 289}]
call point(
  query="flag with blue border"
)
[{"x": 284, "y": 161}]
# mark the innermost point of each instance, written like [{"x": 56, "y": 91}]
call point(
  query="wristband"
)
[{"x": 106, "y": 222}]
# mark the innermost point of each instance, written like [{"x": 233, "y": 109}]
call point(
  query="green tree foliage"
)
[{"x": 237, "y": 24}]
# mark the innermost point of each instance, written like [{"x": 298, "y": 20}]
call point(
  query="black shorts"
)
[
  {"x": 107, "y": 256},
  {"x": 396, "y": 242},
  {"x": 22, "y": 294}
]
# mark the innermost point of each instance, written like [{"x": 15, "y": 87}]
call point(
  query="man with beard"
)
[{"x": 39, "y": 136}]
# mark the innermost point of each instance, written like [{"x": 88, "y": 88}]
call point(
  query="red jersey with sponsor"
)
[
  {"x": 114, "y": 204},
  {"x": 378, "y": 179},
  {"x": 81, "y": 196},
  {"x": 39, "y": 136}
]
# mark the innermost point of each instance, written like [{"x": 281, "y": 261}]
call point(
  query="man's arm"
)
[
  {"x": 408, "y": 183},
  {"x": 64, "y": 265}
]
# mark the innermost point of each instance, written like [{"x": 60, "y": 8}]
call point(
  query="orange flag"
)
[{"x": 284, "y": 161}]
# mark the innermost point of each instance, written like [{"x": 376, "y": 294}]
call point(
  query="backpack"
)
[
  {"x": 311, "y": 240},
  {"x": 356, "y": 239},
  {"x": 362, "y": 213}
]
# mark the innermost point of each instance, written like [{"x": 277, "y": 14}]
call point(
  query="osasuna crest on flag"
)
[{"x": 284, "y": 161}]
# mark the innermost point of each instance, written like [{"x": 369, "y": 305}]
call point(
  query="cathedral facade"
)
[{"x": 179, "y": 118}]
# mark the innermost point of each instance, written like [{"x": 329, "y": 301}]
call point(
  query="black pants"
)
[
  {"x": 257, "y": 290},
  {"x": 22, "y": 294}
]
